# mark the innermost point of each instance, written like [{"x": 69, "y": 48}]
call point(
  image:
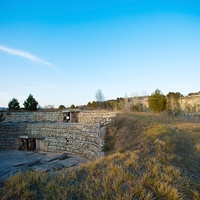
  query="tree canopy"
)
[
  {"x": 157, "y": 102},
  {"x": 72, "y": 106},
  {"x": 61, "y": 107},
  {"x": 31, "y": 104},
  {"x": 173, "y": 102},
  {"x": 13, "y": 104}
]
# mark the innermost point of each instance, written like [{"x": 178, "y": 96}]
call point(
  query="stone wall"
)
[
  {"x": 97, "y": 116},
  {"x": 9, "y": 135},
  {"x": 33, "y": 116},
  {"x": 77, "y": 139},
  {"x": 84, "y": 117},
  {"x": 85, "y": 138}
]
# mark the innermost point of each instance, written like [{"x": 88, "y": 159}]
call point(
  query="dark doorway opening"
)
[
  {"x": 32, "y": 144},
  {"x": 27, "y": 144}
]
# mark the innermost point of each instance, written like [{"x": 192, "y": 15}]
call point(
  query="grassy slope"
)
[{"x": 147, "y": 158}]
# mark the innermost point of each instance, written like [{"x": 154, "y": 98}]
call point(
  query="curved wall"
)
[{"x": 85, "y": 138}]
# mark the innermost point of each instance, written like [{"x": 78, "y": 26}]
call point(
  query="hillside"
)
[
  {"x": 147, "y": 157},
  {"x": 189, "y": 103},
  {"x": 186, "y": 107}
]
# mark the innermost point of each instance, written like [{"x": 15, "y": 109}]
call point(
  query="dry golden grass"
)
[{"x": 148, "y": 158}]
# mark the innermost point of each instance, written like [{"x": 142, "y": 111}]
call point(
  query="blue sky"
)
[{"x": 63, "y": 51}]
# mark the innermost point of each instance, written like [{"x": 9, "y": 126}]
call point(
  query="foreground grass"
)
[{"x": 147, "y": 158}]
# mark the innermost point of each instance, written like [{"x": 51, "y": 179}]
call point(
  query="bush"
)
[
  {"x": 157, "y": 102},
  {"x": 61, "y": 107}
]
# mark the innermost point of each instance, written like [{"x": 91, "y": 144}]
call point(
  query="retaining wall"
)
[
  {"x": 57, "y": 137},
  {"x": 85, "y": 138},
  {"x": 85, "y": 117},
  {"x": 33, "y": 116}
]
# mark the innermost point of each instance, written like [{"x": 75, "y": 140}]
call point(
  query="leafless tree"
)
[
  {"x": 126, "y": 103},
  {"x": 99, "y": 97},
  {"x": 49, "y": 107}
]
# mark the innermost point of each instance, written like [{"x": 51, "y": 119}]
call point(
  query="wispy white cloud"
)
[{"x": 24, "y": 54}]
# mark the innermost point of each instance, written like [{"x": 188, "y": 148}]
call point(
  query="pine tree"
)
[
  {"x": 30, "y": 103},
  {"x": 14, "y": 104}
]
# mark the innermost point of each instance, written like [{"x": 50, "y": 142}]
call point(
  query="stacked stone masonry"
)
[
  {"x": 33, "y": 116},
  {"x": 85, "y": 138}
]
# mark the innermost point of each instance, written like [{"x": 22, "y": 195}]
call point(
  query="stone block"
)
[
  {"x": 56, "y": 166},
  {"x": 39, "y": 169},
  {"x": 49, "y": 159},
  {"x": 63, "y": 156}
]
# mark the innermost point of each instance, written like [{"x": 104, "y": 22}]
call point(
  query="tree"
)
[
  {"x": 49, "y": 107},
  {"x": 173, "y": 102},
  {"x": 194, "y": 93},
  {"x": 126, "y": 102},
  {"x": 110, "y": 105},
  {"x": 157, "y": 102},
  {"x": 30, "y": 103},
  {"x": 94, "y": 105},
  {"x": 61, "y": 107},
  {"x": 137, "y": 107},
  {"x": 99, "y": 97},
  {"x": 72, "y": 106},
  {"x": 119, "y": 103},
  {"x": 14, "y": 104},
  {"x": 136, "y": 104},
  {"x": 89, "y": 105}
]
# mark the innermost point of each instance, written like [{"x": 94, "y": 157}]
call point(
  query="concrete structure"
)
[
  {"x": 71, "y": 115},
  {"x": 46, "y": 131}
]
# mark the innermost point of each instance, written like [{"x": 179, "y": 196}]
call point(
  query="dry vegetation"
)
[{"x": 147, "y": 157}]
